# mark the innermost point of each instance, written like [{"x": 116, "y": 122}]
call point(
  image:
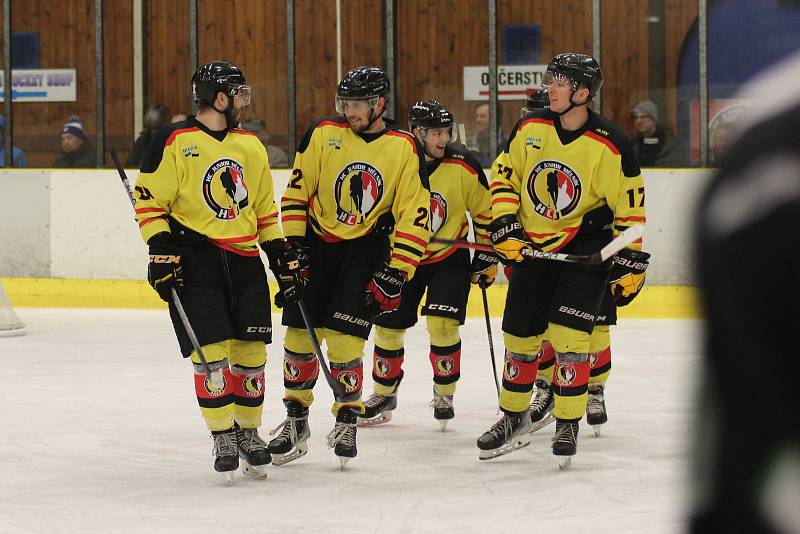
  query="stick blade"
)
[{"x": 621, "y": 241}]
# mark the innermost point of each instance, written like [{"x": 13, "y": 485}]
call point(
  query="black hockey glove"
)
[
  {"x": 289, "y": 262},
  {"x": 384, "y": 225},
  {"x": 509, "y": 239},
  {"x": 164, "y": 270},
  {"x": 383, "y": 291},
  {"x": 484, "y": 268},
  {"x": 627, "y": 275}
]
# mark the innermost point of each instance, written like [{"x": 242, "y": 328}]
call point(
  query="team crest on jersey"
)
[
  {"x": 592, "y": 359},
  {"x": 212, "y": 390},
  {"x": 510, "y": 370},
  {"x": 290, "y": 371},
  {"x": 358, "y": 189},
  {"x": 253, "y": 385},
  {"x": 445, "y": 365},
  {"x": 554, "y": 188},
  {"x": 350, "y": 381},
  {"x": 438, "y": 211},
  {"x": 224, "y": 189},
  {"x": 565, "y": 374},
  {"x": 382, "y": 367}
]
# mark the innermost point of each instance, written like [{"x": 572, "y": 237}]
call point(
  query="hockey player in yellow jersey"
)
[
  {"x": 357, "y": 208},
  {"x": 204, "y": 204},
  {"x": 552, "y": 189},
  {"x": 541, "y": 408},
  {"x": 458, "y": 186}
]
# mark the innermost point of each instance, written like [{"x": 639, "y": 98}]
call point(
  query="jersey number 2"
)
[{"x": 422, "y": 219}]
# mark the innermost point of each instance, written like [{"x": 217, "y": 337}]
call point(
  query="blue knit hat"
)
[{"x": 75, "y": 127}]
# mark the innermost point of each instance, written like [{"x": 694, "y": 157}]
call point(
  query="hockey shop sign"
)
[
  {"x": 514, "y": 82},
  {"x": 42, "y": 85}
]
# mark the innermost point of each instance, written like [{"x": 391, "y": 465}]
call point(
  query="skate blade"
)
[
  {"x": 228, "y": 475},
  {"x": 381, "y": 418},
  {"x": 443, "y": 424},
  {"x": 298, "y": 452},
  {"x": 597, "y": 429},
  {"x": 564, "y": 462},
  {"x": 255, "y": 472},
  {"x": 343, "y": 462},
  {"x": 517, "y": 443},
  {"x": 538, "y": 425}
]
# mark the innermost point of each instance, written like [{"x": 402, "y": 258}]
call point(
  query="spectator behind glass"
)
[
  {"x": 277, "y": 157},
  {"x": 478, "y": 141},
  {"x": 178, "y": 117},
  {"x": 18, "y": 158},
  {"x": 76, "y": 151},
  {"x": 653, "y": 145},
  {"x": 155, "y": 118}
]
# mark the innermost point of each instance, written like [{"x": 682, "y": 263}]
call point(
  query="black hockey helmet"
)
[
  {"x": 431, "y": 114},
  {"x": 580, "y": 68},
  {"x": 538, "y": 99},
  {"x": 218, "y": 76},
  {"x": 363, "y": 83}
]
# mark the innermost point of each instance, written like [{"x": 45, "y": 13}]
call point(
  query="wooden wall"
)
[{"x": 435, "y": 40}]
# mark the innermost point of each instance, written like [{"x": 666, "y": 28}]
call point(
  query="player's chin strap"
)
[
  {"x": 376, "y": 117},
  {"x": 572, "y": 104}
]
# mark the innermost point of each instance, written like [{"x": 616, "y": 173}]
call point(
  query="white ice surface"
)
[{"x": 101, "y": 433}]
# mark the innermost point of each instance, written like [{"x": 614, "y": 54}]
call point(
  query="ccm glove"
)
[
  {"x": 509, "y": 239},
  {"x": 289, "y": 262},
  {"x": 627, "y": 275},
  {"x": 164, "y": 271},
  {"x": 484, "y": 268},
  {"x": 383, "y": 291}
]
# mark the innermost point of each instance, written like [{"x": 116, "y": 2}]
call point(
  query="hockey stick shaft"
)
[
  {"x": 491, "y": 342},
  {"x": 618, "y": 243},
  {"x": 336, "y": 386},
  {"x": 175, "y": 299}
]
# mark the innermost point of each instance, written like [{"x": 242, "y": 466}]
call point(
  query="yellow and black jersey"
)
[
  {"x": 218, "y": 184},
  {"x": 342, "y": 182},
  {"x": 458, "y": 185},
  {"x": 550, "y": 177}
]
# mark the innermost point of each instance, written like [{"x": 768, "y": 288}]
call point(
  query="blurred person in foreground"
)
[{"x": 747, "y": 450}]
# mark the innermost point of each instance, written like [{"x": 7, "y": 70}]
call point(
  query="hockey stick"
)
[
  {"x": 618, "y": 243},
  {"x": 489, "y": 332},
  {"x": 336, "y": 386},
  {"x": 216, "y": 378}
]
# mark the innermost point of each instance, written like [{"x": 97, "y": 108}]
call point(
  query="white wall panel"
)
[{"x": 79, "y": 224}]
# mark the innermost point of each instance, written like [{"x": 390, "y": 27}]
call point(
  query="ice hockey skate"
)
[
  {"x": 507, "y": 435},
  {"x": 252, "y": 452},
  {"x": 227, "y": 457},
  {"x": 565, "y": 442},
  {"x": 442, "y": 408},
  {"x": 294, "y": 432},
  {"x": 378, "y": 409},
  {"x": 596, "y": 409},
  {"x": 342, "y": 439},
  {"x": 542, "y": 406}
]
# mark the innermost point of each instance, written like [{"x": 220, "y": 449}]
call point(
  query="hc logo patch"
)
[
  {"x": 445, "y": 365},
  {"x": 510, "y": 370},
  {"x": 382, "y": 367},
  {"x": 253, "y": 385},
  {"x": 350, "y": 381},
  {"x": 565, "y": 374},
  {"x": 290, "y": 371},
  {"x": 212, "y": 390},
  {"x": 592, "y": 359}
]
